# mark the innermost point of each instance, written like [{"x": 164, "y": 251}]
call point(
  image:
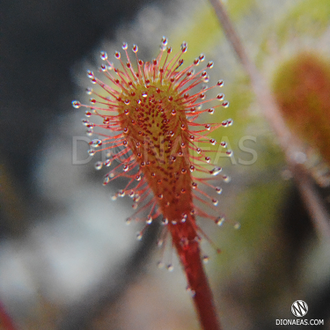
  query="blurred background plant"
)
[{"x": 66, "y": 259}]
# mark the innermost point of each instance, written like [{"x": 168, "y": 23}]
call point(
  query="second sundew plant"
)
[{"x": 148, "y": 123}]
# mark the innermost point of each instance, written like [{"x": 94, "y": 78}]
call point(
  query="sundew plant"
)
[{"x": 149, "y": 125}]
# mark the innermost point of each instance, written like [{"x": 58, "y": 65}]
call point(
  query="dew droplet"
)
[
  {"x": 160, "y": 264},
  {"x": 216, "y": 170},
  {"x": 89, "y": 90},
  {"x": 90, "y": 74},
  {"x": 135, "y": 48},
  {"x": 106, "y": 180},
  {"x": 220, "y": 83},
  {"x": 125, "y": 168},
  {"x": 206, "y": 259},
  {"x": 191, "y": 293},
  {"x": 211, "y": 111},
  {"x": 206, "y": 79},
  {"x": 139, "y": 236},
  {"x": 170, "y": 267},
  {"x": 223, "y": 144},
  {"x": 220, "y": 220},
  {"x": 237, "y": 225},
  {"x": 95, "y": 143},
  {"x": 91, "y": 152},
  {"x": 226, "y": 178},
  {"x": 121, "y": 193},
  {"x": 98, "y": 165},
  {"x": 76, "y": 104},
  {"x": 114, "y": 197},
  {"x": 107, "y": 162},
  {"x": 184, "y": 47},
  {"x": 138, "y": 177},
  {"x": 164, "y": 221},
  {"x": 213, "y": 142},
  {"x": 210, "y": 65},
  {"x": 225, "y": 104},
  {"x": 218, "y": 190},
  {"x": 215, "y": 202},
  {"x": 164, "y": 41},
  {"x": 128, "y": 221},
  {"x": 131, "y": 193},
  {"x": 90, "y": 125},
  {"x": 103, "y": 55},
  {"x": 220, "y": 97},
  {"x": 229, "y": 153},
  {"x": 117, "y": 55},
  {"x": 149, "y": 220},
  {"x": 144, "y": 94},
  {"x": 124, "y": 46}
]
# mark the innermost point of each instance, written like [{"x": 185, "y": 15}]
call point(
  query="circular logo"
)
[{"x": 299, "y": 308}]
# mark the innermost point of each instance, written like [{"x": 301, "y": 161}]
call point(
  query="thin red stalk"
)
[
  {"x": 5, "y": 319},
  {"x": 289, "y": 143},
  {"x": 190, "y": 258}
]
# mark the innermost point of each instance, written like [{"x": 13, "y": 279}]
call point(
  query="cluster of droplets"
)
[{"x": 108, "y": 108}]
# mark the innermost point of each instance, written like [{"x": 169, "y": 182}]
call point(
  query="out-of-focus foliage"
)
[{"x": 301, "y": 87}]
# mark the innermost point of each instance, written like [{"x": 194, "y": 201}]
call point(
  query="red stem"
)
[
  {"x": 5, "y": 320},
  {"x": 203, "y": 299}
]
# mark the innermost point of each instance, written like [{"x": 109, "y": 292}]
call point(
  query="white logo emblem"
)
[{"x": 299, "y": 308}]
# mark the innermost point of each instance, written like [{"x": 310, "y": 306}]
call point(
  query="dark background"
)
[{"x": 40, "y": 42}]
